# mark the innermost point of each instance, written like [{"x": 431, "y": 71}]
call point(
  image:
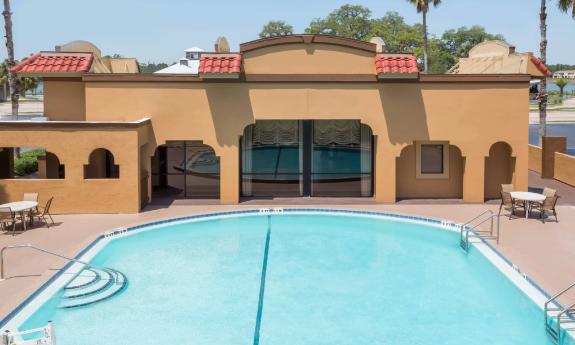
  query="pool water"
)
[{"x": 328, "y": 280}]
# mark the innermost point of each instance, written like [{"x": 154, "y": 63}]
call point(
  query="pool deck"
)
[{"x": 543, "y": 251}]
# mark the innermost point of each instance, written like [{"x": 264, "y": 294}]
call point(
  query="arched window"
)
[
  {"x": 49, "y": 167},
  {"x": 101, "y": 165}
]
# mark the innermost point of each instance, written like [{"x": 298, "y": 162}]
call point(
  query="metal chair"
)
[
  {"x": 7, "y": 217},
  {"x": 547, "y": 205},
  {"x": 509, "y": 204},
  {"x": 508, "y": 188},
  {"x": 30, "y": 197},
  {"x": 45, "y": 213}
]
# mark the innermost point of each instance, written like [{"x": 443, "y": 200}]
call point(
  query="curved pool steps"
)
[{"x": 92, "y": 287}]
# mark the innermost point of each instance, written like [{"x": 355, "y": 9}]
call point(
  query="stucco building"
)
[{"x": 300, "y": 115}]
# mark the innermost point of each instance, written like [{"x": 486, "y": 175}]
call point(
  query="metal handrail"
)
[
  {"x": 479, "y": 215},
  {"x": 38, "y": 249},
  {"x": 559, "y": 321},
  {"x": 465, "y": 229},
  {"x": 553, "y": 299}
]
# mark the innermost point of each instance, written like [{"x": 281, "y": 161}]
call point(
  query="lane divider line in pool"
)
[
  {"x": 31, "y": 303},
  {"x": 263, "y": 283}
]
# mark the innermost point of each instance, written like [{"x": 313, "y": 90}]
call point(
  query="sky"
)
[{"x": 159, "y": 30}]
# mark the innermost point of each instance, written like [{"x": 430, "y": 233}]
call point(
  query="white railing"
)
[{"x": 46, "y": 336}]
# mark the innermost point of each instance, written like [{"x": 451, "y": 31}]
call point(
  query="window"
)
[
  {"x": 432, "y": 159},
  {"x": 101, "y": 165},
  {"x": 29, "y": 163}
]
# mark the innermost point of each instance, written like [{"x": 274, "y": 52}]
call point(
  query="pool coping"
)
[{"x": 28, "y": 306}]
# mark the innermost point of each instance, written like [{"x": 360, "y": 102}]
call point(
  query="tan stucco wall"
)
[
  {"x": 471, "y": 116},
  {"x": 565, "y": 168},
  {"x": 535, "y": 158},
  {"x": 64, "y": 100},
  {"x": 309, "y": 59},
  {"x": 74, "y": 194},
  {"x": 409, "y": 186}
]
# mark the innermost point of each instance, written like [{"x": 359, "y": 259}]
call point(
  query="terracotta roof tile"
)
[
  {"x": 220, "y": 63},
  {"x": 396, "y": 64},
  {"x": 541, "y": 66},
  {"x": 55, "y": 63}
]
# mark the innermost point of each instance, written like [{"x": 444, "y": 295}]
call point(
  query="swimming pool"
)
[{"x": 312, "y": 279}]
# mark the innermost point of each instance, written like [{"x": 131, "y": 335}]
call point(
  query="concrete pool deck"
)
[{"x": 542, "y": 251}]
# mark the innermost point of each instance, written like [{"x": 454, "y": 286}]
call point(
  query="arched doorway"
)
[
  {"x": 185, "y": 170},
  {"x": 499, "y": 169},
  {"x": 323, "y": 158},
  {"x": 437, "y": 175}
]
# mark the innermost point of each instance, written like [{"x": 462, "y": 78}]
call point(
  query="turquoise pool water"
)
[{"x": 328, "y": 280}]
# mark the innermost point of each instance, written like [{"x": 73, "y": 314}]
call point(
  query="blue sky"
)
[{"x": 159, "y": 31}]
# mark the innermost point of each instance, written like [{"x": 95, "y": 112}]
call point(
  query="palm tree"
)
[
  {"x": 12, "y": 80},
  {"x": 565, "y": 5},
  {"x": 561, "y": 83},
  {"x": 542, "y": 97},
  {"x": 423, "y": 7}
]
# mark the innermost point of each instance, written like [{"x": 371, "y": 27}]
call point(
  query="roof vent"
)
[{"x": 184, "y": 62}]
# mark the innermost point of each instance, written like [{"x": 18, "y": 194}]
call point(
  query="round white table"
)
[
  {"x": 527, "y": 197},
  {"x": 21, "y": 207}
]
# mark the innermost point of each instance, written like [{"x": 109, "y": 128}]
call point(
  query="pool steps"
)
[{"x": 93, "y": 285}]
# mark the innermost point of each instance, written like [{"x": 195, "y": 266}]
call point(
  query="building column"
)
[
  {"x": 384, "y": 174},
  {"x": 474, "y": 179},
  {"x": 229, "y": 175}
]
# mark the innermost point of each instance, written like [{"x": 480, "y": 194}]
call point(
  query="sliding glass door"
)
[
  {"x": 272, "y": 159},
  {"x": 306, "y": 158},
  {"x": 341, "y": 158}
]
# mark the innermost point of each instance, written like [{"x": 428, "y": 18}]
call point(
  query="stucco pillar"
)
[
  {"x": 229, "y": 175},
  {"x": 521, "y": 168},
  {"x": 474, "y": 179},
  {"x": 384, "y": 178}
]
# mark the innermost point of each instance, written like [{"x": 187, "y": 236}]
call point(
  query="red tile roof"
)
[
  {"x": 55, "y": 63},
  {"x": 396, "y": 64},
  {"x": 541, "y": 66},
  {"x": 220, "y": 63}
]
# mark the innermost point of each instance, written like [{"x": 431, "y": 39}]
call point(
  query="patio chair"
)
[
  {"x": 549, "y": 192},
  {"x": 509, "y": 204},
  {"x": 507, "y": 188},
  {"x": 7, "y": 217},
  {"x": 30, "y": 197},
  {"x": 548, "y": 205},
  {"x": 45, "y": 212}
]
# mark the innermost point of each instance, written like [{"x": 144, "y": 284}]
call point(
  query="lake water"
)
[{"x": 561, "y": 129}]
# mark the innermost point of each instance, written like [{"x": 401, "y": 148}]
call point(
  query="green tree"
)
[
  {"x": 398, "y": 36},
  {"x": 152, "y": 67},
  {"x": 422, "y": 7},
  {"x": 566, "y": 5},
  {"x": 352, "y": 21},
  {"x": 459, "y": 42},
  {"x": 561, "y": 83},
  {"x": 276, "y": 28}
]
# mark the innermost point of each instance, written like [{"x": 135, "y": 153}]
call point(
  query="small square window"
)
[{"x": 432, "y": 159}]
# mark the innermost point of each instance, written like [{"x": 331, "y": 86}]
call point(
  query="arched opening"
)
[
  {"x": 32, "y": 163},
  {"x": 49, "y": 167},
  {"x": 101, "y": 165},
  {"x": 499, "y": 169},
  {"x": 185, "y": 170},
  {"x": 323, "y": 158},
  {"x": 430, "y": 170}
]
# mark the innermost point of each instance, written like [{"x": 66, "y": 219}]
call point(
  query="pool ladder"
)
[
  {"x": 472, "y": 226},
  {"x": 558, "y": 319}
]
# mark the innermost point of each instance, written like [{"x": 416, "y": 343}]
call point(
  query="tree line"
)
[{"x": 355, "y": 21}]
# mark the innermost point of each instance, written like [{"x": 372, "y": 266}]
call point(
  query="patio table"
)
[
  {"x": 527, "y": 198},
  {"x": 21, "y": 207}
]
